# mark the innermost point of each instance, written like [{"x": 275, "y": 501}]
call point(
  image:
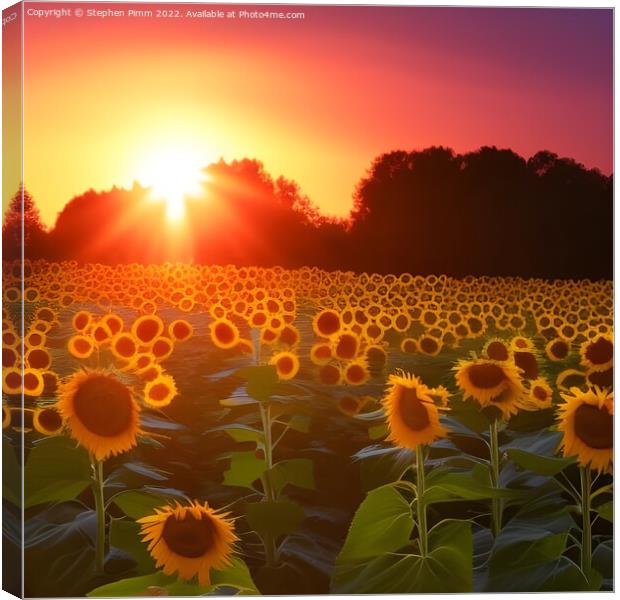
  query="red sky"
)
[{"x": 315, "y": 99}]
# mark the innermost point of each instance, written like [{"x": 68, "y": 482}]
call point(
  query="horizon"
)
[
  {"x": 198, "y": 194},
  {"x": 381, "y": 79}
]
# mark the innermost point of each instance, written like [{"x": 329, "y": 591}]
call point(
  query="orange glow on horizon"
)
[{"x": 316, "y": 100}]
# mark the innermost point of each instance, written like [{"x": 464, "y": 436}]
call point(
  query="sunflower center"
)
[
  {"x": 528, "y": 363},
  {"x": 189, "y": 537},
  {"x": 328, "y": 323},
  {"x": 50, "y": 419},
  {"x": 104, "y": 406},
  {"x": 224, "y": 333},
  {"x": 497, "y": 351},
  {"x": 412, "y": 410},
  {"x": 559, "y": 349},
  {"x": 285, "y": 365},
  {"x": 486, "y": 376},
  {"x": 594, "y": 426},
  {"x": 600, "y": 352}
]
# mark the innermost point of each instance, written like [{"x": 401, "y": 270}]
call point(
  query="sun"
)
[{"x": 172, "y": 174}]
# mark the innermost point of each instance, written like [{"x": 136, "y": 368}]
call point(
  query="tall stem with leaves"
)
[
  {"x": 496, "y": 503},
  {"x": 586, "y": 528},
  {"x": 421, "y": 505},
  {"x": 98, "y": 492}
]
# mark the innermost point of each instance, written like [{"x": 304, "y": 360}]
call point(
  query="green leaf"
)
[
  {"x": 137, "y": 504},
  {"x": 245, "y": 468},
  {"x": 134, "y": 586},
  {"x": 606, "y": 511},
  {"x": 542, "y": 465},
  {"x": 125, "y": 535},
  {"x": 296, "y": 471},
  {"x": 242, "y": 433},
  {"x": 300, "y": 423},
  {"x": 377, "y": 432},
  {"x": 447, "y": 568},
  {"x": 56, "y": 470},
  {"x": 563, "y": 575},
  {"x": 382, "y": 523},
  {"x": 538, "y": 565},
  {"x": 261, "y": 381},
  {"x": 237, "y": 401},
  {"x": 274, "y": 518},
  {"x": 236, "y": 575},
  {"x": 446, "y": 486},
  {"x": 603, "y": 559},
  {"x": 11, "y": 474}
]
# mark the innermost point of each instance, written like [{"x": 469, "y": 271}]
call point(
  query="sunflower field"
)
[{"x": 192, "y": 430}]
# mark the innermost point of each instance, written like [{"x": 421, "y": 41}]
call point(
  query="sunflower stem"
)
[
  {"x": 586, "y": 528},
  {"x": 270, "y": 543},
  {"x": 101, "y": 510},
  {"x": 422, "y": 527},
  {"x": 496, "y": 503}
]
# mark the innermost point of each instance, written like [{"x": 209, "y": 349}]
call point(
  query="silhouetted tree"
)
[
  {"x": 428, "y": 211},
  {"x": 22, "y": 216},
  {"x": 484, "y": 212}
]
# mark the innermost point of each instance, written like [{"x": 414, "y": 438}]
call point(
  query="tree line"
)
[{"x": 488, "y": 212}]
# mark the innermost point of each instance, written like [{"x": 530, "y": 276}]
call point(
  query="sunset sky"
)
[{"x": 108, "y": 100}]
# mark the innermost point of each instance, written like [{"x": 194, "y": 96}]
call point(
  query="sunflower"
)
[
  {"x": 289, "y": 336},
  {"x": 189, "y": 540},
  {"x": 497, "y": 349},
  {"x": 598, "y": 353},
  {"x": 38, "y": 358},
  {"x": 180, "y": 330},
  {"x": 47, "y": 421},
  {"x": 326, "y": 323},
  {"x": 286, "y": 364},
  {"x": 412, "y": 416},
  {"x": 602, "y": 379},
  {"x": 521, "y": 343},
  {"x": 162, "y": 348},
  {"x": 224, "y": 334},
  {"x": 491, "y": 383},
  {"x": 587, "y": 422},
  {"x": 100, "y": 411},
  {"x": 528, "y": 363},
  {"x": 429, "y": 345},
  {"x": 160, "y": 391},
  {"x": 557, "y": 349},
  {"x": 570, "y": 378},
  {"x": 146, "y": 328},
  {"x": 11, "y": 381},
  {"x": 356, "y": 372},
  {"x": 81, "y": 346},
  {"x": 320, "y": 353},
  {"x": 32, "y": 382},
  {"x": 123, "y": 346},
  {"x": 408, "y": 346},
  {"x": 540, "y": 393},
  {"x": 376, "y": 356},
  {"x": 346, "y": 346}
]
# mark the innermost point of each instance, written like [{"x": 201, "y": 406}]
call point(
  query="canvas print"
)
[{"x": 305, "y": 299}]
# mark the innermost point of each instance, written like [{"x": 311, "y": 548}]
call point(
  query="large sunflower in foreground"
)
[
  {"x": 412, "y": 416},
  {"x": 190, "y": 540},
  {"x": 100, "y": 412},
  {"x": 587, "y": 421},
  {"x": 492, "y": 383}
]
